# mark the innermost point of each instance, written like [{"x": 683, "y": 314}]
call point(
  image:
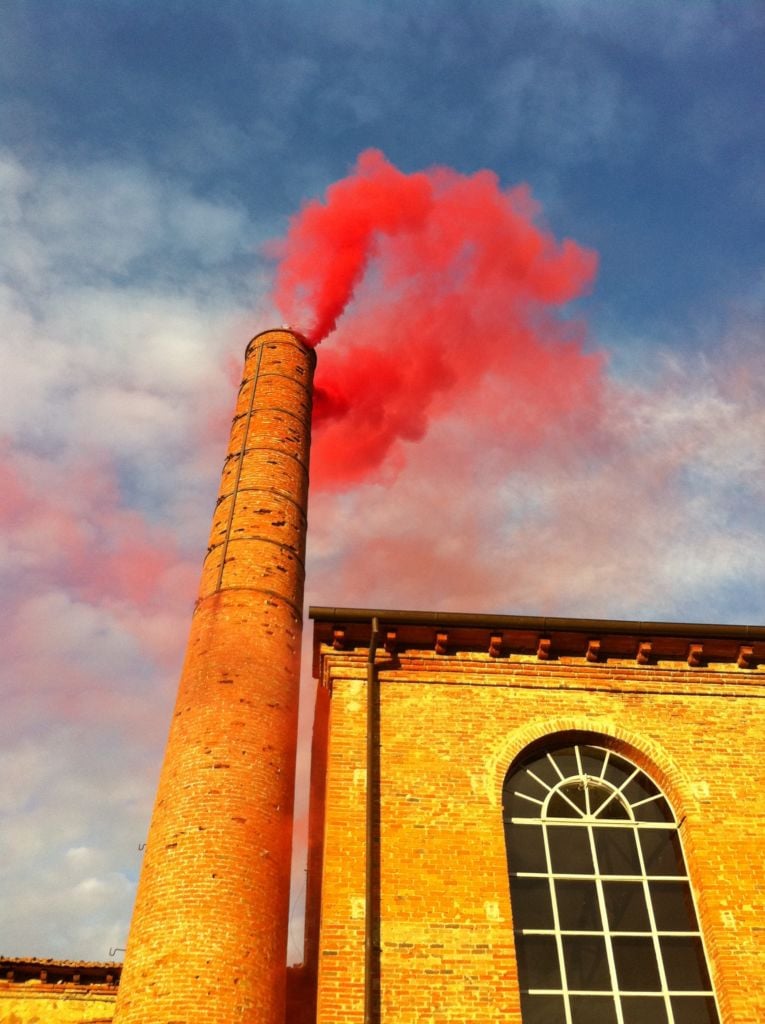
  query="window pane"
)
[
  {"x": 526, "y": 848},
  {"x": 570, "y": 849},
  {"x": 617, "y": 852},
  {"x": 661, "y": 852},
  {"x": 599, "y": 794},
  {"x": 644, "y": 1010},
  {"x": 574, "y": 807},
  {"x": 523, "y": 782},
  {"x": 538, "y": 965},
  {"x": 542, "y": 768},
  {"x": 694, "y": 1010},
  {"x": 592, "y": 760},
  {"x": 542, "y": 1009},
  {"x": 654, "y": 810},
  {"x": 617, "y": 770},
  {"x": 612, "y": 807},
  {"x": 625, "y": 907},
  {"x": 566, "y": 761},
  {"x": 516, "y": 806},
  {"x": 530, "y": 903},
  {"x": 639, "y": 788},
  {"x": 586, "y": 964},
  {"x": 635, "y": 960},
  {"x": 684, "y": 964},
  {"x": 578, "y": 908},
  {"x": 673, "y": 906},
  {"x": 592, "y": 1010}
]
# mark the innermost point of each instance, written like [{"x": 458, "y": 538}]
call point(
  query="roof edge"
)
[{"x": 541, "y": 623}]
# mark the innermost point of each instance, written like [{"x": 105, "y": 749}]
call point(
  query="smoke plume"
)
[{"x": 444, "y": 296}]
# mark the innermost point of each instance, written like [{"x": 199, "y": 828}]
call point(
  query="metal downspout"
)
[{"x": 372, "y": 728}]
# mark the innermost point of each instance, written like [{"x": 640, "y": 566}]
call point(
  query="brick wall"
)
[
  {"x": 57, "y": 992},
  {"x": 450, "y": 726}
]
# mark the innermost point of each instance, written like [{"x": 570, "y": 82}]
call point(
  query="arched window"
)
[{"x": 605, "y": 925}]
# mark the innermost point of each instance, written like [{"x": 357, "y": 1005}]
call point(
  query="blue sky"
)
[{"x": 146, "y": 154}]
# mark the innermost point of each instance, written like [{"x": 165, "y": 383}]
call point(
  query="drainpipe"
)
[{"x": 372, "y": 728}]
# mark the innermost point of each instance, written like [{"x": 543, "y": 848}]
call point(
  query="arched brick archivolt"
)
[{"x": 649, "y": 755}]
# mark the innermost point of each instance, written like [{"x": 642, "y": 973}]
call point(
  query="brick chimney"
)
[{"x": 209, "y": 932}]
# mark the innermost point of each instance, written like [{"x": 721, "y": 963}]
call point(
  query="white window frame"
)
[{"x": 592, "y": 820}]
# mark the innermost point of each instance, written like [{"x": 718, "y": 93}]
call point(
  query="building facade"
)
[{"x": 638, "y": 898}]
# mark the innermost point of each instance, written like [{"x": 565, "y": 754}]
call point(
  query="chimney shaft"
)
[{"x": 209, "y": 932}]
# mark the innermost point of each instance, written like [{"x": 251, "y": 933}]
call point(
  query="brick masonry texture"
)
[
  {"x": 450, "y": 728},
  {"x": 49, "y": 1005},
  {"x": 209, "y": 932}
]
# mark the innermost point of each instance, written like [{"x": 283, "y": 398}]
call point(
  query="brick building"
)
[
  {"x": 515, "y": 819},
  {"x": 578, "y": 802}
]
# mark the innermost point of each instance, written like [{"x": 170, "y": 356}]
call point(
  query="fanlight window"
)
[{"x": 605, "y": 924}]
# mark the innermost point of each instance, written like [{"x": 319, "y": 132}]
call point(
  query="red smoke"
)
[{"x": 451, "y": 296}]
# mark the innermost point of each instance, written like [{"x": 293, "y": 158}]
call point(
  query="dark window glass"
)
[
  {"x": 569, "y": 850},
  {"x": 684, "y": 963},
  {"x": 617, "y": 852},
  {"x": 542, "y": 1009},
  {"x": 639, "y": 788},
  {"x": 525, "y": 783},
  {"x": 694, "y": 1010},
  {"x": 538, "y": 965},
  {"x": 644, "y": 1010},
  {"x": 613, "y": 808},
  {"x": 578, "y": 909},
  {"x": 592, "y": 761},
  {"x": 661, "y": 852},
  {"x": 526, "y": 848},
  {"x": 573, "y": 807},
  {"x": 656, "y": 810},
  {"x": 635, "y": 960},
  {"x": 566, "y": 761},
  {"x": 625, "y": 907},
  {"x": 544, "y": 770},
  {"x": 642, "y": 788},
  {"x": 600, "y": 794},
  {"x": 575, "y": 791},
  {"x": 618, "y": 771},
  {"x": 531, "y": 907},
  {"x": 592, "y": 1010},
  {"x": 515, "y": 806},
  {"x": 586, "y": 964},
  {"x": 673, "y": 906}
]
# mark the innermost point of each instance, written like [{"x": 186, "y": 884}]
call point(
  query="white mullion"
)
[
  {"x": 616, "y": 792},
  {"x": 606, "y": 933},
  {"x": 654, "y": 932},
  {"x": 570, "y": 802},
  {"x": 531, "y": 800},
  {"x": 583, "y": 777},
  {"x": 647, "y": 800},
  {"x": 618, "y": 934},
  {"x": 537, "y": 779},
  {"x": 554, "y": 763},
  {"x": 667, "y": 826},
  {"x": 556, "y": 926}
]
